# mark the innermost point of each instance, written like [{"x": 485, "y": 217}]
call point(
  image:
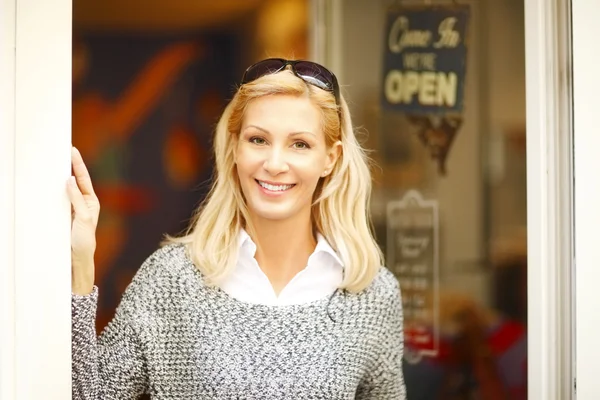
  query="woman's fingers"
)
[
  {"x": 81, "y": 173},
  {"x": 86, "y": 209},
  {"x": 76, "y": 197}
]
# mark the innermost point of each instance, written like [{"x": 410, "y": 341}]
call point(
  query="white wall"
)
[
  {"x": 586, "y": 30},
  {"x": 35, "y": 346},
  {"x": 7, "y": 204}
]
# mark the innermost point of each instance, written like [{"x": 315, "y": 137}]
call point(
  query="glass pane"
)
[{"x": 449, "y": 203}]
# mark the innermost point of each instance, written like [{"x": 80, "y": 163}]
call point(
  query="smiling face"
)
[{"x": 281, "y": 155}]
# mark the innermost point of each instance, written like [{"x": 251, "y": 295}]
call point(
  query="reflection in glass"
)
[{"x": 465, "y": 303}]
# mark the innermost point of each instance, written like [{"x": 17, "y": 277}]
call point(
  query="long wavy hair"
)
[{"x": 340, "y": 210}]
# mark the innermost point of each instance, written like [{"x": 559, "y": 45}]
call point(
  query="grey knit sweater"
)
[{"x": 174, "y": 337}]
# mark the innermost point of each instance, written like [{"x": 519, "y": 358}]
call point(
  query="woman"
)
[{"x": 277, "y": 290}]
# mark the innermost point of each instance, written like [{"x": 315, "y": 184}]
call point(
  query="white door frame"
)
[
  {"x": 550, "y": 200},
  {"x": 35, "y": 143},
  {"x": 586, "y": 86}
]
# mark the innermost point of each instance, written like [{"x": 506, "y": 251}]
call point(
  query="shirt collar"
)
[{"x": 247, "y": 245}]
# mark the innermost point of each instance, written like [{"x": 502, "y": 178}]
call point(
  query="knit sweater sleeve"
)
[
  {"x": 385, "y": 381},
  {"x": 111, "y": 366}
]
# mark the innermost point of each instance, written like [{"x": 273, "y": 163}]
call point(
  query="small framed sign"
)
[{"x": 413, "y": 256}]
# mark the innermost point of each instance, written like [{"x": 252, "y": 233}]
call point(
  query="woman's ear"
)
[{"x": 333, "y": 154}]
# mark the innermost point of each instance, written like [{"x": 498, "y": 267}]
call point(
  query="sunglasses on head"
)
[{"x": 310, "y": 72}]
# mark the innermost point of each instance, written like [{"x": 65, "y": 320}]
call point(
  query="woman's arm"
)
[{"x": 111, "y": 366}]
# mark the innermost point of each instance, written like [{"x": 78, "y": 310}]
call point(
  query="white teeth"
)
[{"x": 274, "y": 188}]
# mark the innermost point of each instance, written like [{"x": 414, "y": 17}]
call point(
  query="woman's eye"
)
[
  {"x": 301, "y": 146},
  {"x": 257, "y": 140}
]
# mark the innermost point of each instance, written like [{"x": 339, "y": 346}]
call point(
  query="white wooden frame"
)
[
  {"x": 586, "y": 86},
  {"x": 35, "y": 137},
  {"x": 326, "y": 34},
  {"x": 549, "y": 199}
]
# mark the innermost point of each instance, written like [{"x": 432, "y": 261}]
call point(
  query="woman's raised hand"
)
[{"x": 85, "y": 209}]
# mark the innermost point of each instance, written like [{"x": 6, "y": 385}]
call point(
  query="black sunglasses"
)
[{"x": 310, "y": 72}]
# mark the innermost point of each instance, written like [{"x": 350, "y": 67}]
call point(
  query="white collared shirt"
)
[{"x": 248, "y": 283}]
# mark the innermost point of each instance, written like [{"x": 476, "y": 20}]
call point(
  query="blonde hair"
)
[{"x": 341, "y": 201}]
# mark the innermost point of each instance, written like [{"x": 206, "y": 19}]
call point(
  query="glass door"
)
[{"x": 452, "y": 110}]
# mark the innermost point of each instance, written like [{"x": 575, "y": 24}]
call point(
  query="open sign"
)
[
  {"x": 425, "y": 58},
  {"x": 427, "y": 88}
]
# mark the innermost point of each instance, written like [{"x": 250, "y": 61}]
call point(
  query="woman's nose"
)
[{"x": 275, "y": 163}]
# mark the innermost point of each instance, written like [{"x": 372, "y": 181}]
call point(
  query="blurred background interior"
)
[{"x": 150, "y": 79}]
